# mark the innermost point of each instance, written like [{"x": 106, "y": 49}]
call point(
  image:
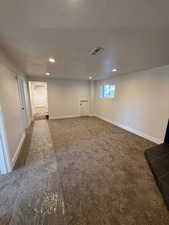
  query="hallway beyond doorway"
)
[
  {"x": 40, "y": 113},
  {"x": 39, "y": 99}
]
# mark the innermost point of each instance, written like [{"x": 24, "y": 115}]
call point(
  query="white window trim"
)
[{"x": 101, "y": 91}]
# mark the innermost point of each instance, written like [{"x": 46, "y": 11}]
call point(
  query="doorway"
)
[
  {"x": 22, "y": 90},
  {"x": 39, "y": 99}
]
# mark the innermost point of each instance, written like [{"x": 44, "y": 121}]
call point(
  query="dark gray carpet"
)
[
  {"x": 105, "y": 177},
  {"x": 89, "y": 172}
]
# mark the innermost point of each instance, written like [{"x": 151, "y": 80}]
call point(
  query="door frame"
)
[
  {"x": 22, "y": 99},
  {"x": 5, "y": 163}
]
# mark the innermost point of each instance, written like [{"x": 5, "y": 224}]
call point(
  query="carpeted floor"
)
[
  {"x": 105, "y": 177},
  {"x": 81, "y": 171}
]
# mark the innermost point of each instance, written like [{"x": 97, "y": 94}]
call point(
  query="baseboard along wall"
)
[
  {"x": 15, "y": 157},
  {"x": 132, "y": 130}
]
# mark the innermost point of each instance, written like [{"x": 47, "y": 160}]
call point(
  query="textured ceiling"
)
[{"x": 134, "y": 34}]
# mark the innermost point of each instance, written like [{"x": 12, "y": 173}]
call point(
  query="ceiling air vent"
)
[{"x": 97, "y": 51}]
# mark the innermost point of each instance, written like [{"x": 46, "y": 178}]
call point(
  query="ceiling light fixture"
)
[
  {"x": 114, "y": 70},
  {"x": 90, "y": 78},
  {"x": 47, "y": 74},
  {"x": 97, "y": 51},
  {"x": 52, "y": 60}
]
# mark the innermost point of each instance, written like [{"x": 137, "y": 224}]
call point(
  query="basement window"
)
[{"x": 107, "y": 91}]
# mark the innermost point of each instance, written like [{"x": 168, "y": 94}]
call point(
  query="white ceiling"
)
[{"x": 134, "y": 34}]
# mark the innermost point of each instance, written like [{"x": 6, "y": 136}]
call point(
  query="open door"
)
[{"x": 22, "y": 97}]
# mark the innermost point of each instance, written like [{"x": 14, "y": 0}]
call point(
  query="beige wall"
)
[
  {"x": 9, "y": 100},
  {"x": 64, "y": 97},
  {"x": 11, "y": 107},
  {"x": 141, "y": 104}
]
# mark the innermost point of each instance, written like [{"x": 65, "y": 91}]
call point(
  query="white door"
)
[
  {"x": 84, "y": 107},
  {"x": 21, "y": 89}
]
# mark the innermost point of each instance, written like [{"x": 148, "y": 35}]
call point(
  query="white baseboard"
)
[
  {"x": 92, "y": 115},
  {"x": 18, "y": 149},
  {"x": 29, "y": 123},
  {"x": 132, "y": 130},
  {"x": 64, "y": 117}
]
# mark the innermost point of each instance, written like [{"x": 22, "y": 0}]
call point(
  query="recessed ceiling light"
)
[
  {"x": 114, "y": 70},
  {"x": 47, "y": 74},
  {"x": 52, "y": 60},
  {"x": 90, "y": 78}
]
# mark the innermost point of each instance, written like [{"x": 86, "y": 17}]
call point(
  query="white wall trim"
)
[
  {"x": 63, "y": 117},
  {"x": 15, "y": 157},
  {"x": 132, "y": 130}
]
